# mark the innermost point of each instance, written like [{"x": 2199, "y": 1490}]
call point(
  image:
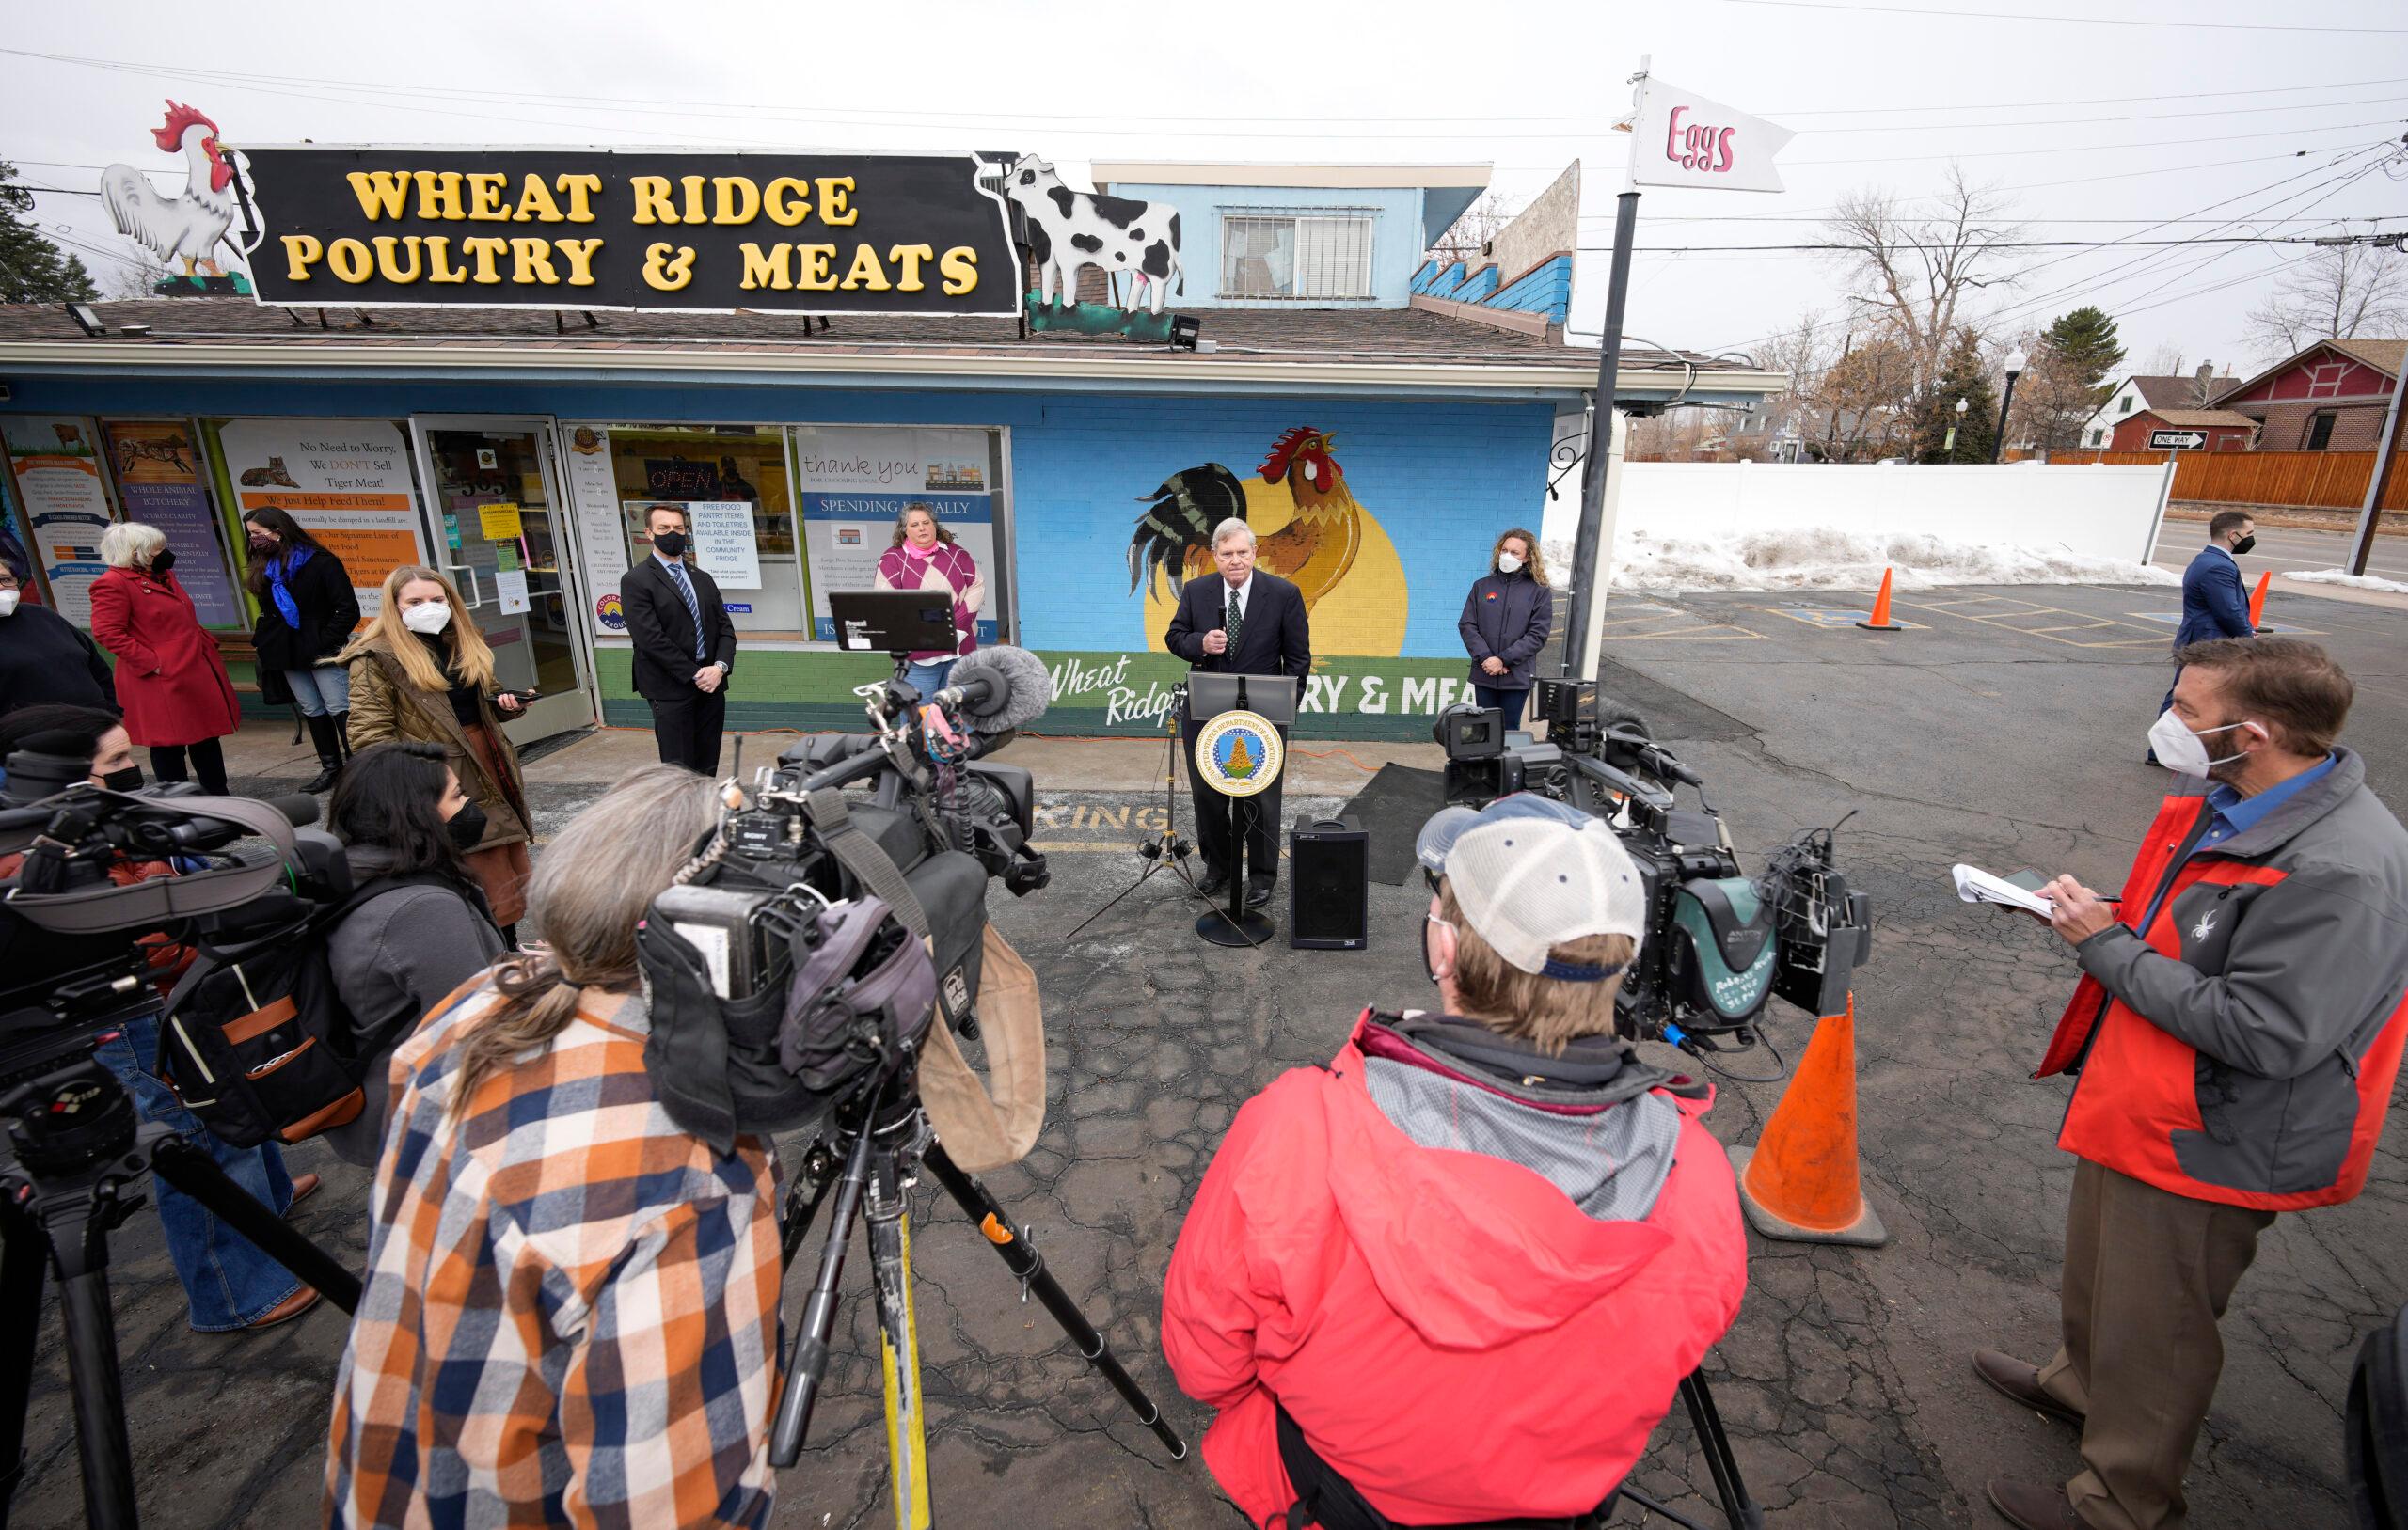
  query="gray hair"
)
[
  {"x": 1231, "y": 528},
  {"x": 588, "y": 895},
  {"x": 132, "y": 545}
]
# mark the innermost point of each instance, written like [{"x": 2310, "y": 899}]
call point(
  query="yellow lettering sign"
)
[
  {"x": 388, "y": 263},
  {"x": 770, "y": 268},
  {"x": 381, "y": 194},
  {"x": 578, "y": 253},
  {"x": 301, "y": 252},
  {"x": 817, "y": 274},
  {"x": 652, "y": 199},
  {"x": 580, "y": 190},
  {"x": 668, "y": 267},
  {"x": 961, "y": 268},
  {"x": 489, "y": 252},
  {"x": 438, "y": 196},
  {"x": 531, "y": 262},
  {"x": 535, "y": 204},
  {"x": 865, "y": 271},
  {"x": 440, "y": 268},
  {"x": 909, "y": 256},
  {"x": 787, "y": 201},
  {"x": 349, "y": 259},
  {"x": 484, "y": 196},
  {"x": 832, "y": 209},
  {"x": 736, "y": 199}
]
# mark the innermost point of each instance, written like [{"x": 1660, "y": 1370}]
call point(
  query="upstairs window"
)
[
  {"x": 1296, "y": 257},
  {"x": 2127, "y": 405}
]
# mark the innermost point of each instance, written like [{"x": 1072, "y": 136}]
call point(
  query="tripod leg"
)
[
  {"x": 1022, "y": 1258},
  {"x": 79, "y": 1244},
  {"x": 803, "y": 1205},
  {"x": 21, "y": 1279},
  {"x": 906, "y": 1429},
  {"x": 807, "y": 1366},
  {"x": 1738, "y": 1509},
  {"x": 197, "y": 1173}
]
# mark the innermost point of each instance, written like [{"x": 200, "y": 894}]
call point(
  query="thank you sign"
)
[
  {"x": 1684, "y": 139},
  {"x": 644, "y": 228}
]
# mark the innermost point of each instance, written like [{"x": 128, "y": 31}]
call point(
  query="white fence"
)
[{"x": 2098, "y": 512}]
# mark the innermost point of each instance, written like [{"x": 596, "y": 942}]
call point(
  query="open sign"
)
[{"x": 1698, "y": 145}]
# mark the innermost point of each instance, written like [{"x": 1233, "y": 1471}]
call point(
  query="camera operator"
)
[
  {"x": 571, "y": 1313},
  {"x": 1457, "y": 1275},
  {"x": 229, "y": 1286},
  {"x": 422, "y": 932},
  {"x": 2236, "y": 1035}
]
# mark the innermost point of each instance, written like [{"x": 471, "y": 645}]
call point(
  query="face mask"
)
[
  {"x": 265, "y": 546},
  {"x": 670, "y": 544},
  {"x": 9, "y": 599},
  {"x": 166, "y": 560},
  {"x": 2179, "y": 749},
  {"x": 467, "y": 826},
  {"x": 128, "y": 779},
  {"x": 2246, "y": 544},
  {"x": 428, "y": 618},
  {"x": 1508, "y": 563}
]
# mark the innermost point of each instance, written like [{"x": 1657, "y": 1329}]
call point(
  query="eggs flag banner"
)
[
  {"x": 705, "y": 232},
  {"x": 1682, "y": 139}
]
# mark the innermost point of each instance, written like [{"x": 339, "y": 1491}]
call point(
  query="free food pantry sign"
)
[{"x": 638, "y": 229}]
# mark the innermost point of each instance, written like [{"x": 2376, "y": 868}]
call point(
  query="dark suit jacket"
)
[
  {"x": 2214, "y": 602},
  {"x": 663, "y": 630},
  {"x": 1275, "y": 639}
]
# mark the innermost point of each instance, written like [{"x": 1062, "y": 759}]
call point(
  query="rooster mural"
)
[
  {"x": 1309, "y": 529},
  {"x": 186, "y": 228}
]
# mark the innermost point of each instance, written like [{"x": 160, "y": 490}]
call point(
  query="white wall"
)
[{"x": 2099, "y": 511}]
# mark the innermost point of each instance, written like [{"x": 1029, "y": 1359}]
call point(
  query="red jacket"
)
[
  {"x": 1452, "y": 1332},
  {"x": 169, "y": 679}
]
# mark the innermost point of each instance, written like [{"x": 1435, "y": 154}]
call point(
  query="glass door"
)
[{"x": 498, "y": 531}]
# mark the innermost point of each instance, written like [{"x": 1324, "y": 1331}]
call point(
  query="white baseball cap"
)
[{"x": 1531, "y": 873}]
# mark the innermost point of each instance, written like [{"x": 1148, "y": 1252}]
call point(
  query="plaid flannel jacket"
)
[{"x": 571, "y": 1314}]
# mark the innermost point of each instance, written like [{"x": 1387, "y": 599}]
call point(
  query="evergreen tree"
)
[
  {"x": 1963, "y": 375},
  {"x": 2083, "y": 343},
  {"x": 32, "y": 269}
]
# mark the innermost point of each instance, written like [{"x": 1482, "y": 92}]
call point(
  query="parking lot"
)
[{"x": 2004, "y": 728}]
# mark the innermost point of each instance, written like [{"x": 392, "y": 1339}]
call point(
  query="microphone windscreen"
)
[
  {"x": 300, "y": 809},
  {"x": 1025, "y": 688}
]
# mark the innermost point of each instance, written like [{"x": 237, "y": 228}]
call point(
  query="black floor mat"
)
[{"x": 1392, "y": 807}]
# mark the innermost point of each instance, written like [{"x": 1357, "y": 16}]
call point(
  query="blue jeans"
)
[
  {"x": 1509, "y": 701},
  {"x": 320, "y": 690},
  {"x": 227, "y": 1282},
  {"x": 929, "y": 677}
]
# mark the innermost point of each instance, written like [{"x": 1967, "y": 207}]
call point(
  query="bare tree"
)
[
  {"x": 1480, "y": 222},
  {"x": 137, "y": 273},
  {"x": 2165, "y": 361},
  {"x": 1866, "y": 400},
  {"x": 2334, "y": 294},
  {"x": 1913, "y": 273}
]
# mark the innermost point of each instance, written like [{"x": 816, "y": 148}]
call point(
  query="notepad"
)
[{"x": 1975, "y": 885}]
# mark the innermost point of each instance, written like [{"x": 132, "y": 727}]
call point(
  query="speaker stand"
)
[
  {"x": 1223, "y": 928},
  {"x": 1235, "y": 926}
]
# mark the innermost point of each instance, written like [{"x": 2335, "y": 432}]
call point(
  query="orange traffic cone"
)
[
  {"x": 1799, "y": 1181},
  {"x": 2258, "y": 599},
  {"x": 1881, "y": 622}
]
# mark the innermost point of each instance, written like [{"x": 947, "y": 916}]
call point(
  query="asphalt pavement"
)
[
  {"x": 2004, "y": 727},
  {"x": 2285, "y": 550}
]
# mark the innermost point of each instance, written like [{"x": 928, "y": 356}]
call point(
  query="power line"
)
[
  {"x": 2091, "y": 101},
  {"x": 2084, "y": 121},
  {"x": 2001, "y": 245},
  {"x": 2185, "y": 24},
  {"x": 2092, "y": 148}
]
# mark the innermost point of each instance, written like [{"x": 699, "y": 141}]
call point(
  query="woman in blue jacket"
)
[{"x": 1506, "y": 619}]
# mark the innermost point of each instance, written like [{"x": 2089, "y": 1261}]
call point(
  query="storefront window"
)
[{"x": 731, "y": 482}]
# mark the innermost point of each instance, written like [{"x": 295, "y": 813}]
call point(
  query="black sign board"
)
[
  {"x": 642, "y": 228},
  {"x": 2176, "y": 440}
]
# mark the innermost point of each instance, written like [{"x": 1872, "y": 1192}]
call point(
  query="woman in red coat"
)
[{"x": 169, "y": 679}]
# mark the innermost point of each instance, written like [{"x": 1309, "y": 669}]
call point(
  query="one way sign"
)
[{"x": 2176, "y": 440}]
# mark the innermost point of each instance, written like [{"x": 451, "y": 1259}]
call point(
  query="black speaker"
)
[{"x": 1329, "y": 885}]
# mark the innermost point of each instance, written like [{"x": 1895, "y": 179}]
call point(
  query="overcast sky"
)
[{"x": 2168, "y": 120}]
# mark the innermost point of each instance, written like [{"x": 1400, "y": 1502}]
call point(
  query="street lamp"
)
[
  {"x": 2015, "y": 361},
  {"x": 1948, "y": 447}
]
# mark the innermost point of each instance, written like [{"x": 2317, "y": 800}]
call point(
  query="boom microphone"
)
[{"x": 995, "y": 690}]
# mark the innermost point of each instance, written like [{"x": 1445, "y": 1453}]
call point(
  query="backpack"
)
[
  {"x": 2376, "y": 1421},
  {"x": 256, "y": 1041}
]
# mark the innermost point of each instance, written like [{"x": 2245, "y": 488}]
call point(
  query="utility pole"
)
[
  {"x": 2386, "y": 453},
  {"x": 1589, "y": 559}
]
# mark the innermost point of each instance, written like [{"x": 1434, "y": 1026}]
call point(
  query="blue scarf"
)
[{"x": 278, "y": 570}]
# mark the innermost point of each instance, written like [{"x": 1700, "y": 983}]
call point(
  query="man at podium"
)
[{"x": 1244, "y": 623}]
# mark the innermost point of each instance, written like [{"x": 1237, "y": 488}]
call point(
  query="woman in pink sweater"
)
[{"x": 926, "y": 557}]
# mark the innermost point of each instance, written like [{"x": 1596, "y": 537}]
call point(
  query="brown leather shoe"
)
[
  {"x": 303, "y": 1189},
  {"x": 283, "y": 1312},
  {"x": 2033, "y": 1505},
  {"x": 2012, "y": 1378}
]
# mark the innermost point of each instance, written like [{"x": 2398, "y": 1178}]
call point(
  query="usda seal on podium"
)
[{"x": 1238, "y": 753}]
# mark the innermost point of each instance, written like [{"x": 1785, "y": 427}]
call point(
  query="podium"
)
[{"x": 1238, "y": 745}]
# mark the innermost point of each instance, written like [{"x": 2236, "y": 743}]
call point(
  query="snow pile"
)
[
  {"x": 2353, "y": 581},
  {"x": 1825, "y": 558}
]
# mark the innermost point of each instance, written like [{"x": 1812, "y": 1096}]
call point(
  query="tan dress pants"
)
[{"x": 2147, "y": 1275}]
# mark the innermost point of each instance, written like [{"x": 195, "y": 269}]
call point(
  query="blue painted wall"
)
[
  {"x": 1546, "y": 288},
  {"x": 1396, "y": 235}
]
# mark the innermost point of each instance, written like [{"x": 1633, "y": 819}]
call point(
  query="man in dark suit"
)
[
  {"x": 2215, "y": 602},
  {"x": 684, "y": 644},
  {"x": 1243, "y": 622}
]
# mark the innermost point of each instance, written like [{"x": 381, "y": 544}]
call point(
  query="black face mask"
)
[
  {"x": 166, "y": 560},
  {"x": 671, "y": 543},
  {"x": 467, "y": 826},
  {"x": 265, "y": 546},
  {"x": 128, "y": 779},
  {"x": 2244, "y": 543}
]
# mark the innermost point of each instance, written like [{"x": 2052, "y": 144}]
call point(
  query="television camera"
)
[{"x": 1720, "y": 943}]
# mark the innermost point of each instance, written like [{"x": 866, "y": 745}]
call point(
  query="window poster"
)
[
  {"x": 159, "y": 483},
  {"x": 855, "y": 482},
  {"x": 601, "y": 537},
  {"x": 348, "y": 480},
  {"x": 723, "y": 541},
  {"x": 56, "y": 468}
]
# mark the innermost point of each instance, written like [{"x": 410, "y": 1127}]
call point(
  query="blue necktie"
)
[{"x": 693, "y": 609}]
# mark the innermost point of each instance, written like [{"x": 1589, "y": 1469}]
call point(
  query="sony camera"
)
[{"x": 1720, "y": 943}]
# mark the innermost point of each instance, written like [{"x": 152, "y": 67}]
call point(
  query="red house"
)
[
  {"x": 2328, "y": 398},
  {"x": 2183, "y": 429}
]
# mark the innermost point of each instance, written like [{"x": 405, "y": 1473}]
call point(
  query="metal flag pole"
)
[
  {"x": 2386, "y": 453},
  {"x": 1591, "y": 560}
]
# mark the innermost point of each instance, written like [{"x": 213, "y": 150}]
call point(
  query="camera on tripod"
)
[{"x": 1720, "y": 943}]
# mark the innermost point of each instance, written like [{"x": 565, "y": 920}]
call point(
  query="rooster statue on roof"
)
[{"x": 186, "y": 228}]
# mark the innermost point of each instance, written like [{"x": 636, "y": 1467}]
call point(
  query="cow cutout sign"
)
[{"x": 1121, "y": 236}]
